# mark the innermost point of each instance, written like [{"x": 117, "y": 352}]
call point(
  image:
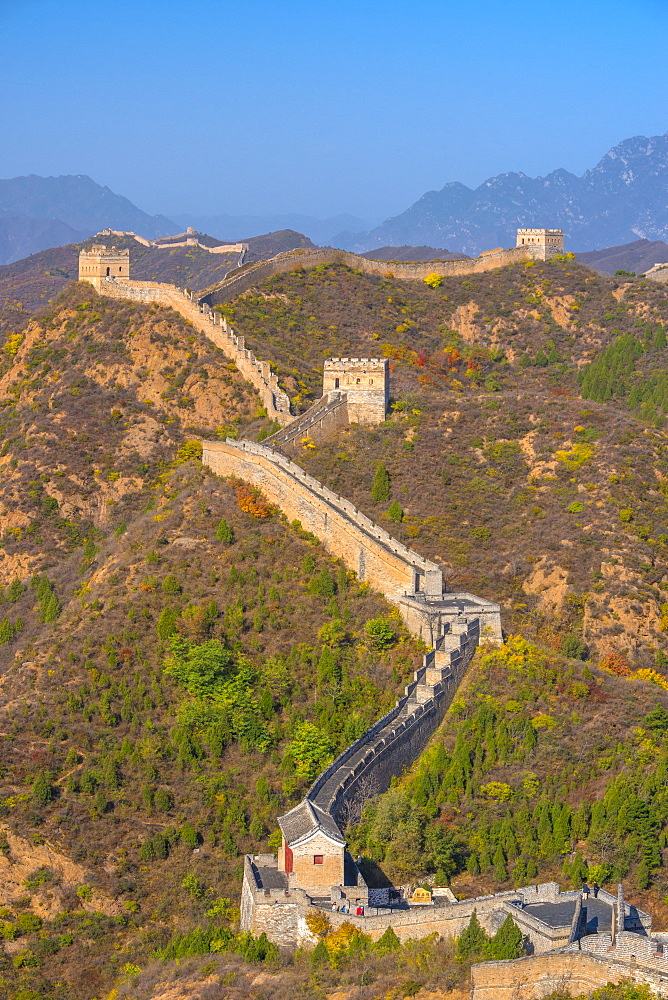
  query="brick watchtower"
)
[
  {"x": 99, "y": 263},
  {"x": 366, "y": 384},
  {"x": 541, "y": 243}
]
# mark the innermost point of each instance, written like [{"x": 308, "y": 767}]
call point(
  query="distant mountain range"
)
[
  {"x": 39, "y": 212},
  {"x": 622, "y": 199}
]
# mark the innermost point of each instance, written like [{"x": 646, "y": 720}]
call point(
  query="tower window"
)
[
  {"x": 359, "y": 380},
  {"x": 370, "y": 381},
  {"x": 108, "y": 272},
  {"x": 318, "y": 859},
  {"x": 336, "y": 383}
]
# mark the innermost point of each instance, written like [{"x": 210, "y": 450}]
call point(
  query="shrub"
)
[
  {"x": 171, "y": 585},
  {"x": 572, "y": 646},
  {"x": 434, "y": 280}
]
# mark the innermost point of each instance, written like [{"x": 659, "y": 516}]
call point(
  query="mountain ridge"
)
[{"x": 622, "y": 198}]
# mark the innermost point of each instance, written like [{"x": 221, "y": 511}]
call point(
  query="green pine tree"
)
[
  {"x": 166, "y": 626},
  {"x": 473, "y": 940},
  {"x": 381, "y": 484},
  {"x": 388, "y": 941},
  {"x": 42, "y": 792},
  {"x": 6, "y": 631},
  {"x": 507, "y": 942},
  {"x": 395, "y": 512},
  {"x": 224, "y": 533}
]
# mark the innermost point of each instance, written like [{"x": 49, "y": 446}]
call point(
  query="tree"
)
[
  {"x": 507, "y": 942},
  {"x": 323, "y": 585},
  {"x": 388, "y": 941},
  {"x": 42, "y": 791},
  {"x": 310, "y": 749},
  {"x": 381, "y": 484},
  {"x": 14, "y": 590},
  {"x": 473, "y": 940},
  {"x": 170, "y": 585},
  {"x": 379, "y": 633},
  {"x": 166, "y": 626},
  {"x": 224, "y": 533},
  {"x": 199, "y": 668},
  {"x": 333, "y": 633},
  {"x": 395, "y": 512}
]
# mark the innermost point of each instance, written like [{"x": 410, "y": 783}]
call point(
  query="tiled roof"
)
[{"x": 305, "y": 820}]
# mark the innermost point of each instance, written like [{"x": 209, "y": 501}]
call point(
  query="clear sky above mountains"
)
[{"x": 210, "y": 106}]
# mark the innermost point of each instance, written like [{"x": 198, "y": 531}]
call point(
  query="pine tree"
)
[
  {"x": 500, "y": 864},
  {"x": 381, "y": 484},
  {"x": 388, "y": 941},
  {"x": 166, "y": 626},
  {"x": 507, "y": 942},
  {"x": 395, "y": 512},
  {"x": 224, "y": 533},
  {"x": 473, "y": 940},
  {"x": 6, "y": 631},
  {"x": 14, "y": 590},
  {"x": 42, "y": 792},
  {"x": 320, "y": 955}
]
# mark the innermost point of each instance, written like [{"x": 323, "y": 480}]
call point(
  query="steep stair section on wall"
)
[{"x": 393, "y": 743}]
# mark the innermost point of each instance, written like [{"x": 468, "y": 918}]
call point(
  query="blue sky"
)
[{"x": 358, "y": 106}]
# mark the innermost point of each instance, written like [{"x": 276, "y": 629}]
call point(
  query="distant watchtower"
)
[
  {"x": 541, "y": 243},
  {"x": 100, "y": 262},
  {"x": 365, "y": 382}
]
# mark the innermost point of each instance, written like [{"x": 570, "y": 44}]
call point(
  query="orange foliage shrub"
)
[
  {"x": 617, "y": 664},
  {"x": 251, "y": 501}
]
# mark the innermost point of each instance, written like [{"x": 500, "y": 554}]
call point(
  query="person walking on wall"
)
[{"x": 585, "y": 891}]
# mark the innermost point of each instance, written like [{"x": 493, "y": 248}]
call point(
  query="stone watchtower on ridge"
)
[
  {"x": 541, "y": 243},
  {"x": 99, "y": 263},
  {"x": 366, "y": 383}
]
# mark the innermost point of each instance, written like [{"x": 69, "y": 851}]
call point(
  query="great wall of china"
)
[{"x": 313, "y": 870}]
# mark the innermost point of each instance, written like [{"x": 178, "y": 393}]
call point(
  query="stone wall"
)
[
  {"x": 252, "y": 274},
  {"x": 217, "y": 329},
  {"x": 573, "y": 971},
  {"x": 394, "y": 742},
  {"x": 327, "y": 414},
  {"x": 344, "y": 531}
]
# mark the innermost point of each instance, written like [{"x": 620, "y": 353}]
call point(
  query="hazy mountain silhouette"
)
[{"x": 622, "y": 199}]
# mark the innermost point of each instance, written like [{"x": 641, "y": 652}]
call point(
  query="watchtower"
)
[
  {"x": 100, "y": 262},
  {"x": 366, "y": 384},
  {"x": 541, "y": 243}
]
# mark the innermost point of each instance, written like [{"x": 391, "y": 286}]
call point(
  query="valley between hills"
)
[{"x": 179, "y": 661}]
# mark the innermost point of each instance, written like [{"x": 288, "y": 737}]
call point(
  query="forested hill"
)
[{"x": 179, "y": 662}]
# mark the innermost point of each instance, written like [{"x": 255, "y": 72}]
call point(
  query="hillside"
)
[
  {"x": 636, "y": 257},
  {"x": 526, "y": 492},
  {"x": 126, "y": 567},
  {"x": 622, "y": 198},
  {"x": 179, "y": 661}
]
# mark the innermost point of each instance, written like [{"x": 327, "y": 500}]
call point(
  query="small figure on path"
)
[
  {"x": 585, "y": 891},
  {"x": 596, "y": 888}
]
